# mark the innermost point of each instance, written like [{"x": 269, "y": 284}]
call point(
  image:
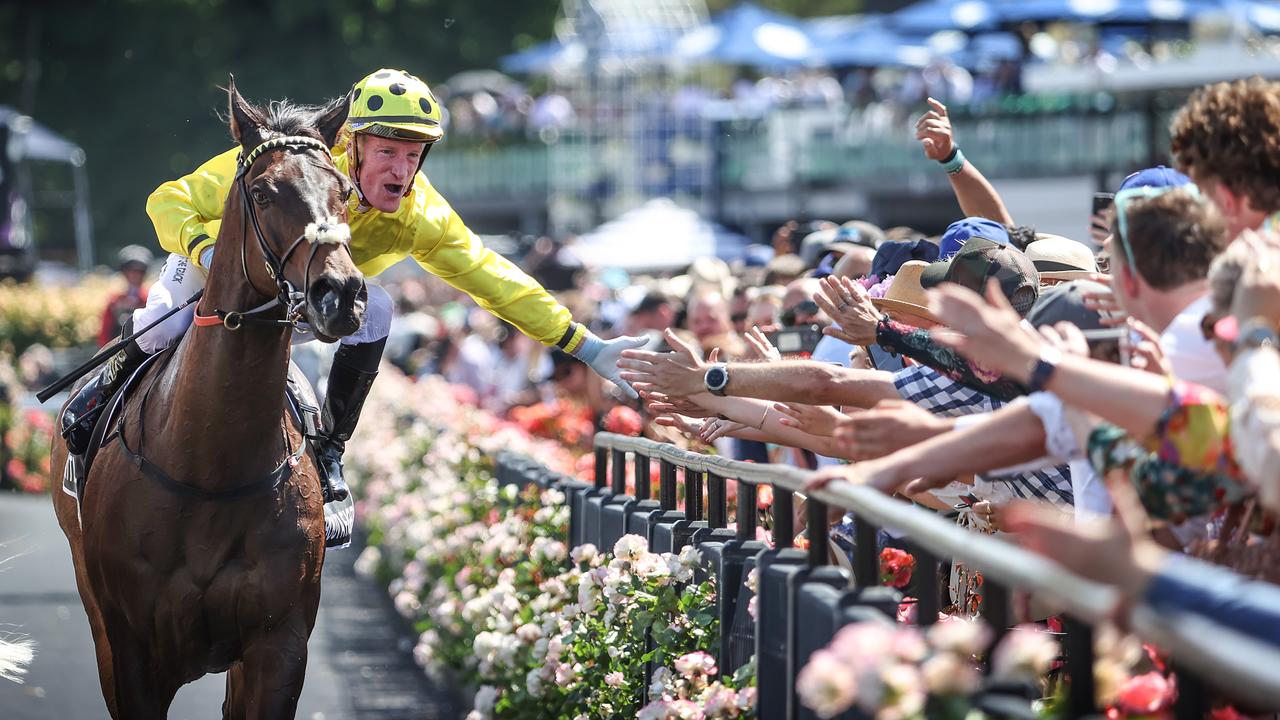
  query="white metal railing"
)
[{"x": 1247, "y": 667}]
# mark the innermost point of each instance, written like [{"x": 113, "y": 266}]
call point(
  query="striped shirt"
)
[{"x": 943, "y": 396}]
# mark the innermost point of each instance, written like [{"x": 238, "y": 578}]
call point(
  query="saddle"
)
[{"x": 301, "y": 402}]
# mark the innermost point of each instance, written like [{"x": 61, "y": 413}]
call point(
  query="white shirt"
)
[{"x": 1192, "y": 357}]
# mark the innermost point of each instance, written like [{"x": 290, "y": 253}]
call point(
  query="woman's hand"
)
[
  {"x": 716, "y": 428},
  {"x": 888, "y": 427},
  {"x": 848, "y": 304},
  {"x": 814, "y": 419},
  {"x": 992, "y": 334}
]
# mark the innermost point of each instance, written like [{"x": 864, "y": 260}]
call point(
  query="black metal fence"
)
[{"x": 803, "y": 600}]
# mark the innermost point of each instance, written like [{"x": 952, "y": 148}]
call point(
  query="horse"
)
[{"x": 192, "y": 554}]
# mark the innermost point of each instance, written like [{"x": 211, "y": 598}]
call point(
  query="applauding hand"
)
[{"x": 848, "y": 304}]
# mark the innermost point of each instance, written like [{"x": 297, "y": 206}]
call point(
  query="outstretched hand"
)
[
  {"x": 888, "y": 427},
  {"x": 604, "y": 359},
  {"x": 675, "y": 374}
]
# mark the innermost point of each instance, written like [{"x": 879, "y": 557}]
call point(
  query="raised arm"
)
[{"x": 975, "y": 194}]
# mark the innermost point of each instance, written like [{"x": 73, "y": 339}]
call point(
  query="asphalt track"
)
[{"x": 360, "y": 663}]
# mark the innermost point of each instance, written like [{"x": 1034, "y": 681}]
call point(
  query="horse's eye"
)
[
  {"x": 259, "y": 196},
  {"x": 346, "y": 193}
]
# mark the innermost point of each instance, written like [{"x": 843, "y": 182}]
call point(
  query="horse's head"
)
[{"x": 293, "y": 210}]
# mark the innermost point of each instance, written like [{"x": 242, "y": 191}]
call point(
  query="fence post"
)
[{"x": 1078, "y": 644}]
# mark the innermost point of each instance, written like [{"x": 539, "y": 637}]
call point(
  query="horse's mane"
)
[
  {"x": 285, "y": 117},
  {"x": 290, "y": 118}
]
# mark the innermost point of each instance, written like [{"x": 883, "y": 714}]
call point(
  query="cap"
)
[
  {"x": 814, "y": 245},
  {"x": 650, "y": 302},
  {"x": 982, "y": 258},
  {"x": 1060, "y": 258},
  {"x": 1158, "y": 176},
  {"x": 868, "y": 234},
  {"x": 757, "y": 255},
  {"x": 959, "y": 232},
  {"x": 1065, "y": 303},
  {"x": 133, "y": 255},
  {"x": 891, "y": 255}
]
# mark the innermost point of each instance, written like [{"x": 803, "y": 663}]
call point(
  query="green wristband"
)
[{"x": 955, "y": 163}]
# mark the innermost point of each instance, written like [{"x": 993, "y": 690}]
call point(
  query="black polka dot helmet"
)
[{"x": 397, "y": 105}]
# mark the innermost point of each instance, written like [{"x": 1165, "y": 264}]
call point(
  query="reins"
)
[{"x": 287, "y": 296}]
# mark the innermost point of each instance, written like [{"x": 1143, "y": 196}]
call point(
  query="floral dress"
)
[{"x": 1187, "y": 467}]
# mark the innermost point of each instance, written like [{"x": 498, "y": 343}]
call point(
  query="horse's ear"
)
[
  {"x": 246, "y": 121},
  {"x": 332, "y": 117}
]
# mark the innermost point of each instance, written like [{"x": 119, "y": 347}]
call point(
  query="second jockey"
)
[{"x": 395, "y": 213}]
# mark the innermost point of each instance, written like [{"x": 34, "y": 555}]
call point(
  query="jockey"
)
[{"x": 394, "y": 213}]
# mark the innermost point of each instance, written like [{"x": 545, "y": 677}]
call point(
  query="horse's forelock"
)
[{"x": 283, "y": 117}]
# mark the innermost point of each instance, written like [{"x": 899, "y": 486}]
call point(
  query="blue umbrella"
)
[
  {"x": 535, "y": 60},
  {"x": 988, "y": 48},
  {"x": 931, "y": 16},
  {"x": 1108, "y": 11},
  {"x": 747, "y": 35},
  {"x": 870, "y": 45},
  {"x": 1262, "y": 16}
]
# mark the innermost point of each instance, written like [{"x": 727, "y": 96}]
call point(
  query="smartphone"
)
[
  {"x": 1110, "y": 345},
  {"x": 1102, "y": 202},
  {"x": 800, "y": 340}
]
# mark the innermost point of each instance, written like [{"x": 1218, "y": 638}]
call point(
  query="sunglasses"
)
[
  {"x": 804, "y": 308},
  {"x": 1125, "y": 197}
]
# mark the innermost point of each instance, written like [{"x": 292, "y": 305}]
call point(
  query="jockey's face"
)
[{"x": 387, "y": 168}]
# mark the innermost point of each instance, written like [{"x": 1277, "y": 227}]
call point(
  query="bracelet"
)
[{"x": 954, "y": 163}]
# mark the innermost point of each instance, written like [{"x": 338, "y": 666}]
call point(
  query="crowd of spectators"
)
[{"x": 1109, "y": 401}]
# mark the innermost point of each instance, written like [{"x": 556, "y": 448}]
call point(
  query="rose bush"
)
[{"x": 484, "y": 575}]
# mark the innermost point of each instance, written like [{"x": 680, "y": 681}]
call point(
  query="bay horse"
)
[{"x": 205, "y": 557}]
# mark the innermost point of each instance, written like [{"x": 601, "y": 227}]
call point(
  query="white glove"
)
[
  {"x": 206, "y": 257},
  {"x": 603, "y": 355}
]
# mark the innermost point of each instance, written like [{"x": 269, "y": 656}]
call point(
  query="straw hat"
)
[
  {"x": 906, "y": 296},
  {"x": 1058, "y": 258}
]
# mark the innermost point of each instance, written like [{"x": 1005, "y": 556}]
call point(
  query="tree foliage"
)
[{"x": 135, "y": 82}]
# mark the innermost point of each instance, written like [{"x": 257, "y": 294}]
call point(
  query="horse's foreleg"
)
[
  {"x": 267, "y": 683},
  {"x": 65, "y": 508},
  {"x": 141, "y": 692}
]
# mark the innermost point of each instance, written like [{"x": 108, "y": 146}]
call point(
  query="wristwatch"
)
[
  {"x": 1255, "y": 334},
  {"x": 717, "y": 378},
  {"x": 1044, "y": 368}
]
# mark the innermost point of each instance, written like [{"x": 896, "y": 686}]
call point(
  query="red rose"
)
[
  {"x": 895, "y": 567},
  {"x": 1145, "y": 694},
  {"x": 623, "y": 421}
]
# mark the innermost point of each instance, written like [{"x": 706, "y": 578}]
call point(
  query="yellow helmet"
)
[{"x": 397, "y": 105}]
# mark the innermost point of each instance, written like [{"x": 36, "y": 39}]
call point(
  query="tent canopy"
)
[
  {"x": 29, "y": 140},
  {"x": 747, "y": 34},
  {"x": 658, "y": 235}
]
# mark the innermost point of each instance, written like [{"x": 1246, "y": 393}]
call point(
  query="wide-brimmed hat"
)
[
  {"x": 1058, "y": 258},
  {"x": 906, "y": 296}
]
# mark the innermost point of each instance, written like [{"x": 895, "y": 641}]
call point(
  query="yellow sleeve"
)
[
  {"x": 458, "y": 257},
  {"x": 187, "y": 212}
]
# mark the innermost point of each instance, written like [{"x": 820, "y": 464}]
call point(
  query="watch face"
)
[{"x": 716, "y": 377}]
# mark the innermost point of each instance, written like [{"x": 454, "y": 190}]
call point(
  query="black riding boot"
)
[
  {"x": 352, "y": 374},
  {"x": 78, "y": 419}
]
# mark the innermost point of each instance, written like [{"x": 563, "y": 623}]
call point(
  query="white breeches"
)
[{"x": 180, "y": 279}]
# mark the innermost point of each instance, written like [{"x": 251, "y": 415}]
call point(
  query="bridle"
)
[{"x": 287, "y": 296}]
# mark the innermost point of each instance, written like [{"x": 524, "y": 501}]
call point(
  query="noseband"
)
[{"x": 287, "y": 296}]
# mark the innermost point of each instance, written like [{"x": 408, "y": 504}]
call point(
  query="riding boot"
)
[
  {"x": 79, "y": 418},
  {"x": 352, "y": 374}
]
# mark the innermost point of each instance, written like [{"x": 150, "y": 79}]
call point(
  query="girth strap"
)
[{"x": 282, "y": 472}]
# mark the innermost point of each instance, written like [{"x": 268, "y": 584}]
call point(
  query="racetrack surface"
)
[{"x": 360, "y": 664}]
